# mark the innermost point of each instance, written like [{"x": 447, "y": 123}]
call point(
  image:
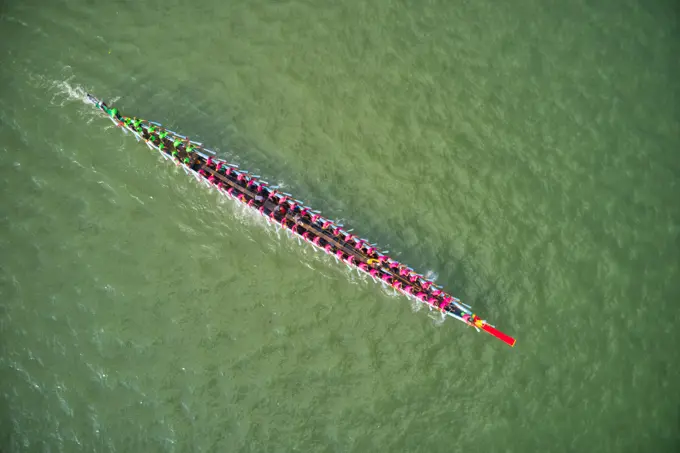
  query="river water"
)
[{"x": 524, "y": 154}]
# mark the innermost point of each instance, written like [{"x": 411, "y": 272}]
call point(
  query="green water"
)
[{"x": 526, "y": 154}]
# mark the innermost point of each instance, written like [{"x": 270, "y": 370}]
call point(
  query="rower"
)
[
  {"x": 477, "y": 322},
  {"x": 137, "y": 123},
  {"x": 152, "y": 130},
  {"x": 131, "y": 125},
  {"x": 112, "y": 112},
  {"x": 177, "y": 143}
]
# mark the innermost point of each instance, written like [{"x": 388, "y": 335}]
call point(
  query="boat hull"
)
[{"x": 299, "y": 220}]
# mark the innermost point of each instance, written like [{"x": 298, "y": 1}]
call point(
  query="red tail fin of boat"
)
[{"x": 507, "y": 339}]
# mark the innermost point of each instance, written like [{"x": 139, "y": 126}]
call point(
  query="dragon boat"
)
[{"x": 295, "y": 217}]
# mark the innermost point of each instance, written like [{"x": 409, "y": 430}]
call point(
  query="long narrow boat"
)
[{"x": 299, "y": 220}]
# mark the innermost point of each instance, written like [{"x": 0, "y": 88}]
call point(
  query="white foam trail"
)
[{"x": 63, "y": 91}]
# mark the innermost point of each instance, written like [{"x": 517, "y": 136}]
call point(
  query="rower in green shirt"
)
[
  {"x": 152, "y": 131},
  {"x": 136, "y": 124},
  {"x": 112, "y": 112}
]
